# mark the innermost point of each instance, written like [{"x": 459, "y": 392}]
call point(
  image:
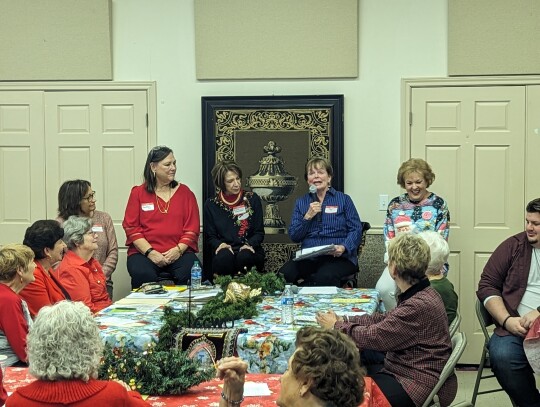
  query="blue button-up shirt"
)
[{"x": 338, "y": 223}]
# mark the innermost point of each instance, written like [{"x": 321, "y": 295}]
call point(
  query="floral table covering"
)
[{"x": 266, "y": 346}]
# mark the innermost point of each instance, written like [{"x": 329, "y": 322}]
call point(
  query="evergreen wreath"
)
[{"x": 154, "y": 372}]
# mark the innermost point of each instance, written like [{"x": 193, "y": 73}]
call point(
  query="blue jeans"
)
[{"x": 512, "y": 369}]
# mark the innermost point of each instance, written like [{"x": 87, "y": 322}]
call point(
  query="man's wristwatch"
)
[{"x": 146, "y": 253}]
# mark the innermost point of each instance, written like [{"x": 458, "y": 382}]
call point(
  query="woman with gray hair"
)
[
  {"x": 440, "y": 251},
  {"x": 64, "y": 350},
  {"x": 79, "y": 273}
]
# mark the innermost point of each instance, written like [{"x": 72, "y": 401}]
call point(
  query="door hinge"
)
[{"x": 410, "y": 118}]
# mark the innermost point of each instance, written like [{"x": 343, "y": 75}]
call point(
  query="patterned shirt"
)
[
  {"x": 338, "y": 224},
  {"x": 416, "y": 340},
  {"x": 429, "y": 214}
]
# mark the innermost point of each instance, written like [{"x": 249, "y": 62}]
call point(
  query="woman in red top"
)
[
  {"x": 16, "y": 271},
  {"x": 79, "y": 273},
  {"x": 44, "y": 237},
  {"x": 162, "y": 223},
  {"x": 64, "y": 349}
]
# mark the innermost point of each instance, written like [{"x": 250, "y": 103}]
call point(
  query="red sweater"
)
[
  {"x": 45, "y": 290},
  {"x": 13, "y": 324},
  {"x": 143, "y": 219},
  {"x": 74, "y": 393},
  {"x": 84, "y": 281}
]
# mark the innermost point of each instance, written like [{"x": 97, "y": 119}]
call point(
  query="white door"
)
[
  {"x": 474, "y": 139},
  {"x": 100, "y": 136},
  {"x": 22, "y": 157}
]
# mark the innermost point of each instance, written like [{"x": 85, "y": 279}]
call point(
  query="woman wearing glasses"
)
[
  {"x": 79, "y": 272},
  {"x": 162, "y": 223},
  {"x": 78, "y": 198}
]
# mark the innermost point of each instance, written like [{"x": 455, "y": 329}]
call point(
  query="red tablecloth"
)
[{"x": 207, "y": 394}]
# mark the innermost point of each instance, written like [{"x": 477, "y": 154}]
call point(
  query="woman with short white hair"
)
[
  {"x": 440, "y": 251},
  {"x": 79, "y": 273},
  {"x": 64, "y": 352}
]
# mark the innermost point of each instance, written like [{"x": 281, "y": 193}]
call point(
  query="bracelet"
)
[
  {"x": 233, "y": 402},
  {"x": 504, "y": 322},
  {"x": 146, "y": 253}
]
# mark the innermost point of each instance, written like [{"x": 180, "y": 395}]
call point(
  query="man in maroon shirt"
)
[{"x": 508, "y": 288}]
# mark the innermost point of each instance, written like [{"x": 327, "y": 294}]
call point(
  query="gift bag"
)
[{"x": 531, "y": 345}]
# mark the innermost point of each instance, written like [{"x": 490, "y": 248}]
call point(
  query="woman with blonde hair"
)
[
  {"x": 413, "y": 338},
  {"x": 64, "y": 352},
  {"x": 417, "y": 210},
  {"x": 16, "y": 271}
]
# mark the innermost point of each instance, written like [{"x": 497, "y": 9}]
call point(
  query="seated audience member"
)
[
  {"x": 416, "y": 210},
  {"x": 78, "y": 198},
  {"x": 439, "y": 251},
  {"x": 161, "y": 223},
  {"x": 233, "y": 223},
  {"x": 324, "y": 370},
  {"x": 64, "y": 352},
  {"x": 79, "y": 273},
  {"x": 16, "y": 271},
  {"x": 414, "y": 335},
  {"x": 44, "y": 237},
  {"x": 508, "y": 288},
  {"x": 319, "y": 218}
]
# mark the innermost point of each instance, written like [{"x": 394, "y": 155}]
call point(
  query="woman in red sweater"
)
[
  {"x": 162, "y": 223},
  {"x": 79, "y": 273},
  {"x": 16, "y": 271},
  {"x": 64, "y": 352},
  {"x": 44, "y": 237}
]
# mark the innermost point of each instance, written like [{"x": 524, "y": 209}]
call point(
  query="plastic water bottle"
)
[
  {"x": 287, "y": 306},
  {"x": 196, "y": 276}
]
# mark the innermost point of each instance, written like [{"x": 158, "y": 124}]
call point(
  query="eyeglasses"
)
[{"x": 91, "y": 197}]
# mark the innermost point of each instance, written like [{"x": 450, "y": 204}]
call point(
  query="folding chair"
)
[
  {"x": 454, "y": 326},
  {"x": 485, "y": 320},
  {"x": 459, "y": 342}
]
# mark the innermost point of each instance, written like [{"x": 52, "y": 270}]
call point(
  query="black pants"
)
[
  {"x": 373, "y": 361},
  {"x": 321, "y": 271},
  {"x": 143, "y": 270},
  {"x": 227, "y": 263}
]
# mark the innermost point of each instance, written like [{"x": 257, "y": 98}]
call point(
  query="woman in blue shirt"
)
[{"x": 323, "y": 217}]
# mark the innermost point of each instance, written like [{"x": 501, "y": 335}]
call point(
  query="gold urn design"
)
[{"x": 273, "y": 184}]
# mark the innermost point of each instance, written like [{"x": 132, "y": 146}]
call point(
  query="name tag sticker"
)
[
  {"x": 331, "y": 209},
  {"x": 147, "y": 207},
  {"x": 97, "y": 229},
  {"x": 239, "y": 210}
]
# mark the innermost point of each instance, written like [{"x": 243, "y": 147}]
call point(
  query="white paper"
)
[
  {"x": 318, "y": 290},
  {"x": 252, "y": 389},
  {"x": 314, "y": 251}
]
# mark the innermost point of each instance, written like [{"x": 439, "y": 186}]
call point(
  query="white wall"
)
[{"x": 154, "y": 40}]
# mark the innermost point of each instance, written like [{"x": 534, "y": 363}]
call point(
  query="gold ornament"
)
[{"x": 238, "y": 292}]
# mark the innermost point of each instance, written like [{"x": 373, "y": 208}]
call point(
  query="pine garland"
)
[
  {"x": 154, "y": 372},
  {"x": 217, "y": 314}
]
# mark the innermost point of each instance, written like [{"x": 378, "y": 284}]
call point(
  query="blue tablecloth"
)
[{"x": 266, "y": 346}]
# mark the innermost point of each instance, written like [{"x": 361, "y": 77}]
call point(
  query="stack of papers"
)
[{"x": 314, "y": 252}]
